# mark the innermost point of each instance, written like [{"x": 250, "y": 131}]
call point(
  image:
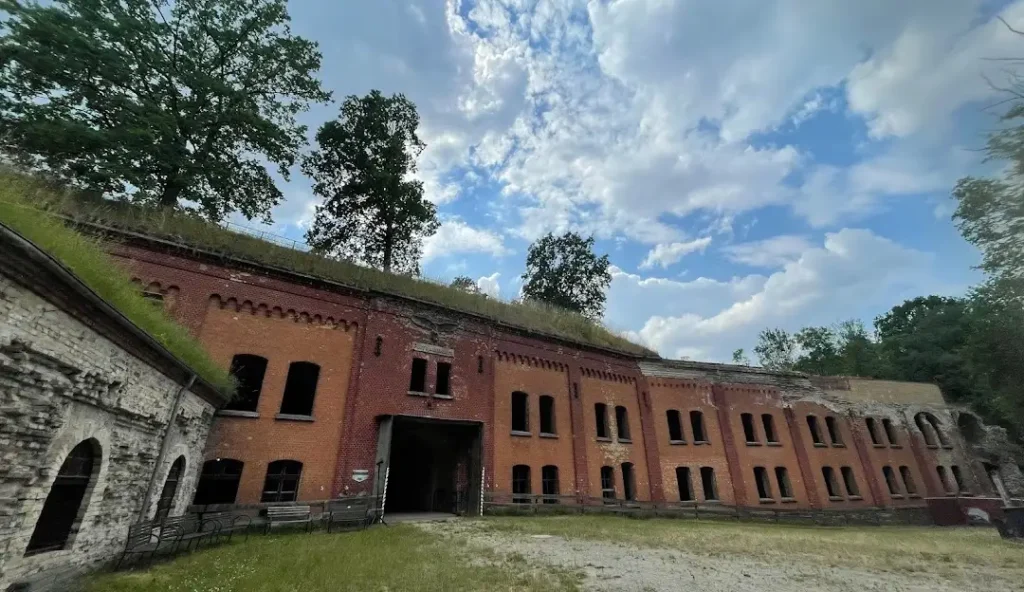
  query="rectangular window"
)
[
  {"x": 684, "y": 483},
  {"x": 547, "y": 415},
  {"x": 890, "y": 432},
  {"x": 850, "y": 481},
  {"x": 833, "y": 431},
  {"x": 708, "y": 484},
  {"x": 622, "y": 423},
  {"x": 549, "y": 483},
  {"x": 908, "y": 480},
  {"x": 418, "y": 377},
  {"x": 764, "y": 486},
  {"x": 944, "y": 479},
  {"x": 601, "y": 418},
  {"x": 248, "y": 371},
  {"x": 521, "y": 484},
  {"x": 748, "y": 428},
  {"x": 300, "y": 388},
  {"x": 675, "y": 426},
  {"x": 444, "y": 372},
  {"x": 628, "y": 481},
  {"x": 812, "y": 424},
  {"x": 782, "y": 478},
  {"x": 961, "y": 485},
  {"x": 282, "y": 482},
  {"x": 769, "y": 428},
  {"x": 890, "y": 480},
  {"x": 520, "y": 412},
  {"x": 697, "y": 426},
  {"x": 829, "y": 474},
  {"x": 873, "y": 430},
  {"x": 607, "y": 483}
]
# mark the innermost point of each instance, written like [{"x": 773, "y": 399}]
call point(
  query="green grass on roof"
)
[
  {"x": 87, "y": 259},
  {"x": 195, "y": 233}
]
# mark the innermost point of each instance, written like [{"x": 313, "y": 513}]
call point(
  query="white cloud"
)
[
  {"x": 770, "y": 252},
  {"x": 666, "y": 254},
  {"x": 489, "y": 285},
  {"x": 455, "y": 236}
]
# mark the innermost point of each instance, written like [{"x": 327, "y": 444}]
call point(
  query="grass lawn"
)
[{"x": 395, "y": 558}]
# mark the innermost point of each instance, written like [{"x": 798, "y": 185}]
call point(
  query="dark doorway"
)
[
  {"x": 434, "y": 466},
  {"x": 63, "y": 505}
]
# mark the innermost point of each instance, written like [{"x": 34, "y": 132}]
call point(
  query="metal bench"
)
[
  {"x": 228, "y": 523},
  {"x": 193, "y": 530},
  {"x": 347, "y": 511},
  {"x": 150, "y": 538},
  {"x": 279, "y": 515}
]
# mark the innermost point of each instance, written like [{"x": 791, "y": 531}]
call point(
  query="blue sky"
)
[{"x": 745, "y": 164}]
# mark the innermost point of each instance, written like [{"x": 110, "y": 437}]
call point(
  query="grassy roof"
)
[
  {"x": 89, "y": 261},
  {"x": 192, "y": 232}
]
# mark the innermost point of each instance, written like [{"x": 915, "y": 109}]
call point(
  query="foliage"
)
[
  {"x": 740, "y": 357},
  {"x": 373, "y": 211},
  {"x": 564, "y": 271},
  {"x": 192, "y": 233},
  {"x": 774, "y": 349},
  {"x": 87, "y": 260},
  {"x": 466, "y": 284},
  {"x": 159, "y": 101}
]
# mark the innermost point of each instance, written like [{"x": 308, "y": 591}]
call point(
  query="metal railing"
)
[{"x": 270, "y": 237}]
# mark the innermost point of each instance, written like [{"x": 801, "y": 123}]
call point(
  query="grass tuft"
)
[{"x": 89, "y": 261}]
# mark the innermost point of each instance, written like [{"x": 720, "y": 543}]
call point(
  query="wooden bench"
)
[
  {"x": 149, "y": 538},
  {"x": 347, "y": 511},
  {"x": 279, "y": 515}
]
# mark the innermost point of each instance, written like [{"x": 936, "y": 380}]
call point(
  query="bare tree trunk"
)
[{"x": 389, "y": 239}]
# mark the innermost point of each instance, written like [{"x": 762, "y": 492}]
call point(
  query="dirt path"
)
[{"x": 620, "y": 568}]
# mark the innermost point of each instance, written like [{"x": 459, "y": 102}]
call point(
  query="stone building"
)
[
  {"x": 342, "y": 386},
  {"x": 100, "y": 426}
]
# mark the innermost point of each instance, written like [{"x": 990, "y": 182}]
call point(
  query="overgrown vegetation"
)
[
  {"x": 400, "y": 557},
  {"x": 87, "y": 259},
  {"x": 196, "y": 233}
]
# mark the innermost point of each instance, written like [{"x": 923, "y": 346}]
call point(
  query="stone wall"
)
[{"x": 62, "y": 382}]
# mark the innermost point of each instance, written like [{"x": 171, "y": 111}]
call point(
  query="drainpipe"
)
[{"x": 164, "y": 443}]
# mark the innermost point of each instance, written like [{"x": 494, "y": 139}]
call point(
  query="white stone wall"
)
[{"x": 61, "y": 383}]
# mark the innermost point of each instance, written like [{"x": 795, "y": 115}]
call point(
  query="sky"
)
[{"x": 745, "y": 164}]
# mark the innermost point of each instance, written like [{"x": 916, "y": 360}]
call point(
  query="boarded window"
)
[
  {"x": 890, "y": 432},
  {"x": 549, "y": 483},
  {"x": 601, "y": 419},
  {"x": 710, "y": 487},
  {"x": 163, "y": 505},
  {"x": 782, "y": 478},
  {"x": 873, "y": 430},
  {"x": 684, "y": 483},
  {"x": 521, "y": 484},
  {"x": 764, "y": 486},
  {"x": 850, "y": 482},
  {"x": 908, "y": 480},
  {"x": 248, "y": 371},
  {"x": 944, "y": 479},
  {"x": 607, "y": 482},
  {"x": 520, "y": 412},
  {"x": 282, "y": 482},
  {"x": 812, "y": 425},
  {"x": 218, "y": 482},
  {"x": 697, "y": 426},
  {"x": 418, "y": 376},
  {"x": 547, "y": 414},
  {"x": 769, "y": 428},
  {"x": 443, "y": 383},
  {"x": 749, "y": 433},
  {"x": 622, "y": 423},
  {"x": 829, "y": 474},
  {"x": 300, "y": 388},
  {"x": 63, "y": 506},
  {"x": 675, "y": 426},
  {"x": 628, "y": 481},
  {"x": 890, "y": 480},
  {"x": 833, "y": 431}
]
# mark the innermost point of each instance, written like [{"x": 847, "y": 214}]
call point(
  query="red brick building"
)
[{"x": 340, "y": 387}]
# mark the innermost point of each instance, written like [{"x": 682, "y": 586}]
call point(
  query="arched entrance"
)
[
  {"x": 163, "y": 506},
  {"x": 63, "y": 506}
]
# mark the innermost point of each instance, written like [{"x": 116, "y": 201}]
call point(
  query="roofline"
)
[
  {"x": 16, "y": 244},
  {"x": 649, "y": 367}
]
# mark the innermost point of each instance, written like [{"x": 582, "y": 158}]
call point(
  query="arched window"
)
[
  {"x": 833, "y": 431},
  {"x": 601, "y": 420},
  {"x": 547, "y": 415},
  {"x": 749, "y": 433},
  {"x": 764, "y": 485},
  {"x": 282, "y": 482},
  {"x": 929, "y": 426},
  {"x": 700, "y": 435},
  {"x": 908, "y": 480},
  {"x": 815, "y": 428},
  {"x": 163, "y": 505},
  {"x": 890, "y": 432},
  {"x": 785, "y": 487},
  {"x": 300, "y": 388},
  {"x": 831, "y": 484},
  {"x": 628, "y": 481},
  {"x": 218, "y": 482},
  {"x": 675, "y": 426},
  {"x": 549, "y": 483},
  {"x": 521, "y": 484},
  {"x": 890, "y": 481},
  {"x": 768, "y": 422},
  {"x": 850, "y": 481},
  {"x": 708, "y": 484},
  {"x": 248, "y": 371},
  {"x": 63, "y": 506},
  {"x": 685, "y": 484},
  {"x": 622, "y": 423},
  {"x": 607, "y": 482},
  {"x": 873, "y": 430},
  {"x": 520, "y": 412}
]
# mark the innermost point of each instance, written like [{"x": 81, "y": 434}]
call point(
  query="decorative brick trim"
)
[
  {"x": 609, "y": 376},
  {"x": 677, "y": 383},
  {"x": 264, "y": 309},
  {"x": 533, "y": 361}
]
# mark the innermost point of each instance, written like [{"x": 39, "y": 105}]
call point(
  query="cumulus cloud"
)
[
  {"x": 770, "y": 252},
  {"x": 667, "y": 254},
  {"x": 455, "y": 236},
  {"x": 488, "y": 284}
]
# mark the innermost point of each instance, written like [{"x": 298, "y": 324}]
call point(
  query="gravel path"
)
[{"x": 625, "y": 568}]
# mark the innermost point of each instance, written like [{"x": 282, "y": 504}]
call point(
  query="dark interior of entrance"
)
[{"x": 434, "y": 466}]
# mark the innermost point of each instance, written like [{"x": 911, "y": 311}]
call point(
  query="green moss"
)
[
  {"x": 89, "y": 261},
  {"x": 198, "y": 234}
]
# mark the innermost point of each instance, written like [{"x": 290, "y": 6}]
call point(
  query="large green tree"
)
[
  {"x": 159, "y": 101},
  {"x": 775, "y": 349},
  {"x": 372, "y": 211},
  {"x": 565, "y": 272}
]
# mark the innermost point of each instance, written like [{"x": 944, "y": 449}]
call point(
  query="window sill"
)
[
  {"x": 839, "y": 446},
  {"x": 948, "y": 446},
  {"x": 677, "y": 442},
  {"x": 820, "y": 445},
  {"x": 788, "y": 500},
  {"x": 446, "y": 397},
  {"x": 914, "y": 496},
  {"x": 856, "y": 498},
  {"x": 418, "y": 394},
  {"x": 879, "y": 445},
  {"x": 895, "y": 446},
  {"x": 836, "y": 498},
  {"x": 625, "y": 441},
  {"x": 702, "y": 443},
  {"x": 753, "y": 443},
  {"x": 237, "y": 413},
  {"x": 713, "y": 502},
  {"x": 293, "y": 417},
  {"x": 776, "y": 444},
  {"x": 896, "y": 496},
  {"x": 548, "y": 435},
  {"x": 521, "y": 434},
  {"x": 932, "y": 446},
  {"x": 603, "y": 439},
  {"x": 765, "y": 500}
]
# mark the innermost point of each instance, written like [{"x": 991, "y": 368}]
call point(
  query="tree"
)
[
  {"x": 161, "y": 102},
  {"x": 858, "y": 353},
  {"x": 466, "y": 284},
  {"x": 740, "y": 357},
  {"x": 565, "y": 272},
  {"x": 820, "y": 351},
  {"x": 373, "y": 211},
  {"x": 775, "y": 349}
]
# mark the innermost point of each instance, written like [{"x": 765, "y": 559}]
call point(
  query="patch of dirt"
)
[{"x": 612, "y": 567}]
